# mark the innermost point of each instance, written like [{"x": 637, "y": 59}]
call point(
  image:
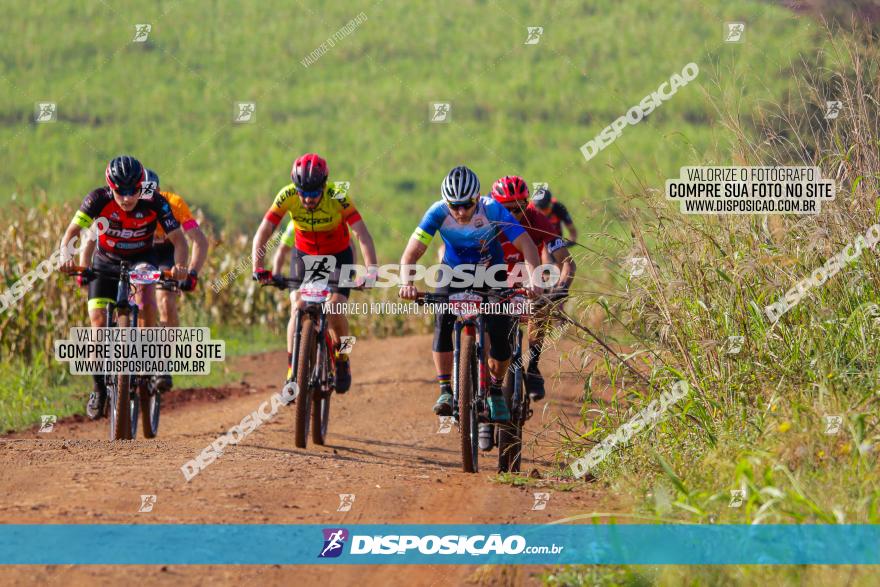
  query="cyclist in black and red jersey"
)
[
  {"x": 513, "y": 193},
  {"x": 129, "y": 237},
  {"x": 544, "y": 202}
]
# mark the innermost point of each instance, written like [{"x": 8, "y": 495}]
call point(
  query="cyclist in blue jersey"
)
[{"x": 469, "y": 226}]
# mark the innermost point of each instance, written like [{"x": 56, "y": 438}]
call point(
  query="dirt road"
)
[{"x": 384, "y": 447}]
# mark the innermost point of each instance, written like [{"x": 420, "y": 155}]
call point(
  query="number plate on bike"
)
[
  {"x": 465, "y": 304},
  {"x": 314, "y": 293},
  {"x": 145, "y": 277},
  {"x": 519, "y": 306}
]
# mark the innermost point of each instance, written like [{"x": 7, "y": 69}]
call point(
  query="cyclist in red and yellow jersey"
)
[{"x": 322, "y": 215}]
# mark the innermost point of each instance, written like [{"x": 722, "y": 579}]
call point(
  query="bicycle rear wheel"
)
[
  {"x": 467, "y": 413},
  {"x": 304, "y": 368},
  {"x": 149, "y": 399},
  {"x": 510, "y": 434}
]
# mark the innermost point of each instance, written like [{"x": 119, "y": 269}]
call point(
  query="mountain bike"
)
[
  {"x": 470, "y": 369},
  {"x": 128, "y": 393},
  {"x": 509, "y": 436},
  {"x": 313, "y": 377}
]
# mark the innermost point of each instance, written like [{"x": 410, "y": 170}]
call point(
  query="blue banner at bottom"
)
[{"x": 252, "y": 544}]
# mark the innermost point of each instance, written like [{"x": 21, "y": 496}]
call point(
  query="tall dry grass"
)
[{"x": 756, "y": 420}]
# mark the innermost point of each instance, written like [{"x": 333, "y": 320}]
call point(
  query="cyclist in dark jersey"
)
[
  {"x": 129, "y": 237},
  {"x": 544, "y": 202}
]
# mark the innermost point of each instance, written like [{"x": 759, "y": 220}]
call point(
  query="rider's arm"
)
[
  {"x": 414, "y": 251},
  {"x": 200, "y": 248},
  {"x": 87, "y": 250},
  {"x": 420, "y": 239},
  {"x": 368, "y": 250},
  {"x": 352, "y": 217},
  {"x": 565, "y": 217},
  {"x": 73, "y": 232},
  {"x": 280, "y": 258},
  {"x": 288, "y": 239},
  {"x": 85, "y": 216},
  {"x": 190, "y": 226},
  {"x": 258, "y": 251},
  {"x": 562, "y": 257},
  {"x": 181, "y": 253},
  {"x": 280, "y": 206}
]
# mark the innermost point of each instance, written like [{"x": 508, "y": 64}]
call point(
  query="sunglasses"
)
[
  {"x": 514, "y": 209},
  {"x": 462, "y": 206},
  {"x": 310, "y": 195},
  {"x": 127, "y": 193}
]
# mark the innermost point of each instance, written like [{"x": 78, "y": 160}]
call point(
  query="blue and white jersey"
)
[{"x": 475, "y": 242}]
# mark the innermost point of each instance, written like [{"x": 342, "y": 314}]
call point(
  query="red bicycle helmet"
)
[
  {"x": 510, "y": 188},
  {"x": 309, "y": 172}
]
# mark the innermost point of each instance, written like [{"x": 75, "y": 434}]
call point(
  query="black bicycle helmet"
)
[
  {"x": 542, "y": 198},
  {"x": 125, "y": 174},
  {"x": 460, "y": 185}
]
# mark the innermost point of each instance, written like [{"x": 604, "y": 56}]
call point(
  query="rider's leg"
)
[
  {"x": 338, "y": 323},
  {"x": 102, "y": 292},
  {"x": 443, "y": 357},
  {"x": 167, "y": 305},
  {"x": 534, "y": 381},
  {"x": 498, "y": 328},
  {"x": 146, "y": 301},
  {"x": 166, "y": 302}
]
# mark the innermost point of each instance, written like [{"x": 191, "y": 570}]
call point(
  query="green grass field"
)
[{"x": 365, "y": 104}]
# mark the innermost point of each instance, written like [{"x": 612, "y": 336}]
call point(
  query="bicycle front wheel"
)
[
  {"x": 304, "y": 368},
  {"x": 120, "y": 398},
  {"x": 467, "y": 412}
]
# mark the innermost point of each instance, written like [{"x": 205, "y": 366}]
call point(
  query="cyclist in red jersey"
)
[
  {"x": 322, "y": 214},
  {"x": 129, "y": 237},
  {"x": 513, "y": 193}
]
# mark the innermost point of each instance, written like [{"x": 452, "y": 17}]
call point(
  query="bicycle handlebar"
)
[
  {"x": 92, "y": 272},
  {"x": 282, "y": 282}
]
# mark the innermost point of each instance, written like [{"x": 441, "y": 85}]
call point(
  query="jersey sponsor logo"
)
[
  {"x": 130, "y": 245},
  {"x": 127, "y": 233},
  {"x": 478, "y": 222},
  {"x": 284, "y": 196}
]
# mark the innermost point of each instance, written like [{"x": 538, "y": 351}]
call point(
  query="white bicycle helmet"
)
[{"x": 460, "y": 185}]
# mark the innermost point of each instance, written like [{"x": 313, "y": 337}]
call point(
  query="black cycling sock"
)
[
  {"x": 534, "y": 356},
  {"x": 494, "y": 386},
  {"x": 289, "y": 359},
  {"x": 98, "y": 383}
]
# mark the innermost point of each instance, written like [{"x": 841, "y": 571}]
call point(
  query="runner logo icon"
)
[{"x": 334, "y": 541}]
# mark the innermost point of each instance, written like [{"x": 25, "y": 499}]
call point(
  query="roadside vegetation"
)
[{"x": 789, "y": 423}]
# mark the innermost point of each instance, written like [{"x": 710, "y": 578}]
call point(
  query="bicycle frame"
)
[
  {"x": 323, "y": 346},
  {"x": 472, "y": 327}
]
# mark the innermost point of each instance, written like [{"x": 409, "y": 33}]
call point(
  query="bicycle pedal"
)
[{"x": 290, "y": 389}]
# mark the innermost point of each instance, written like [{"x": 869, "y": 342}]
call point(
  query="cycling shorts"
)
[
  {"x": 499, "y": 329},
  {"x": 103, "y": 289},
  {"x": 344, "y": 257}
]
